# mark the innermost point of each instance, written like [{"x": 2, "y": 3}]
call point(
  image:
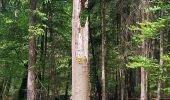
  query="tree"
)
[
  {"x": 80, "y": 70},
  {"x": 31, "y": 88},
  {"x": 161, "y": 64},
  {"x": 145, "y": 50},
  {"x": 103, "y": 54}
]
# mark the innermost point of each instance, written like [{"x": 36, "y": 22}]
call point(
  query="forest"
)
[{"x": 84, "y": 49}]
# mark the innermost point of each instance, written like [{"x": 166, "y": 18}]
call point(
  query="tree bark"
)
[
  {"x": 103, "y": 55},
  {"x": 144, "y": 73},
  {"x": 31, "y": 90},
  {"x": 145, "y": 49},
  {"x": 143, "y": 84},
  {"x": 161, "y": 64},
  {"x": 80, "y": 70}
]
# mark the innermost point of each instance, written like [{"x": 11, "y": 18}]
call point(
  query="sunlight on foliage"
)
[
  {"x": 141, "y": 61},
  {"x": 166, "y": 58},
  {"x": 147, "y": 30},
  {"x": 40, "y": 15},
  {"x": 153, "y": 9},
  {"x": 37, "y": 30}
]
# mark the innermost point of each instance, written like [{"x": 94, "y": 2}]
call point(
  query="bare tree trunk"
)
[
  {"x": 103, "y": 56},
  {"x": 80, "y": 70},
  {"x": 40, "y": 69},
  {"x": 143, "y": 84},
  {"x": 122, "y": 84},
  {"x": 144, "y": 74},
  {"x": 31, "y": 91},
  {"x": 161, "y": 64},
  {"x": 161, "y": 41}
]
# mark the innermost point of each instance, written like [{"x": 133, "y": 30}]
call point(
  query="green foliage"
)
[
  {"x": 14, "y": 35},
  {"x": 166, "y": 58},
  {"x": 137, "y": 89},
  {"x": 153, "y": 9},
  {"x": 40, "y": 15},
  {"x": 13, "y": 50},
  {"x": 36, "y": 30},
  {"x": 83, "y": 17},
  {"x": 165, "y": 75},
  {"x": 166, "y": 90},
  {"x": 141, "y": 61},
  {"x": 147, "y": 30}
]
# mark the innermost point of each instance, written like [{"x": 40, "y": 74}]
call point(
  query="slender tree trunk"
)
[
  {"x": 103, "y": 56},
  {"x": 31, "y": 91},
  {"x": 122, "y": 84},
  {"x": 94, "y": 68},
  {"x": 143, "y": 84},
  {"x": 80, "y": 70},
  {"x": 161, "y": 41},
  {"x": 144, "y": 75},
  {"x": 41, "y": 69},
  {"x": 161, "y": 64},
  {"x": 145, "y": 49}
]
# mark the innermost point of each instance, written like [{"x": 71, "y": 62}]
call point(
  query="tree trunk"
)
[
  {"x": 31, "y": 91},
  {"x": 80, "y": 70},
  {"x": 144, "y": 74},
  {"x": 161, "y": 64},
  {"x": 122, "y": 83},
  {"x": 143, "y": 84},
  {"x": 118, "y": 90},
  {"x": 103, "y": 56},
  {"x": 145, "y": 49}
]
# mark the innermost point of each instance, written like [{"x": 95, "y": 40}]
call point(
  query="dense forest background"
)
[{"x": 84, "y": 49}]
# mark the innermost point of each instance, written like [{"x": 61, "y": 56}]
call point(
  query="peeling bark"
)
[{"x": 80, "y": 70}]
